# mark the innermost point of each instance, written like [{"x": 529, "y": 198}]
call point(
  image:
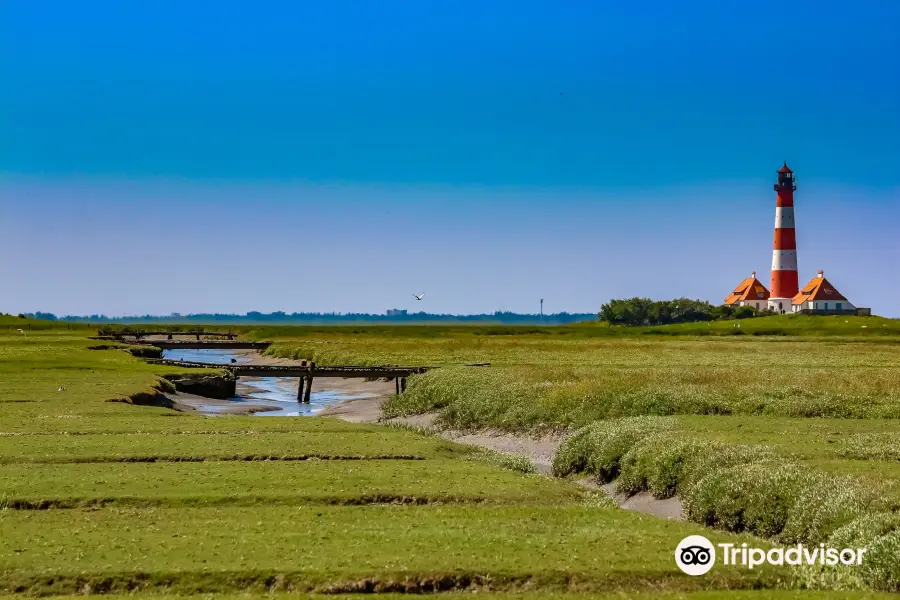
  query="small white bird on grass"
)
[
  {"x": 61, "y": 389},
  {"x": 418, "y": 296}
]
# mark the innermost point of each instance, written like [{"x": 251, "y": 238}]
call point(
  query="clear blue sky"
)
[{"x": 341, "y": 155}]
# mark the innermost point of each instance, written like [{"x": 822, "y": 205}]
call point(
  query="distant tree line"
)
[
  {"x": 644, "y": 311},
  {"x": 284, "y": 318},
  {"x": 40, "y": 315}
]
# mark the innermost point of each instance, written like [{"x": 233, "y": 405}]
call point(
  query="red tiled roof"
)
[
  {"x": 748, "y": 289},
  {"x": 818, "y": 288}
]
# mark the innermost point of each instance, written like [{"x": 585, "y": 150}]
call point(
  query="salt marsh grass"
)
[
  {"x": 108, "y": 497},
  {"x": 751, "y": 431},
  {"x": 572, "y": 379}
]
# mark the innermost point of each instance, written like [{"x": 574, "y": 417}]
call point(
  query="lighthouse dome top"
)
[{"x": 785, "y": 168}]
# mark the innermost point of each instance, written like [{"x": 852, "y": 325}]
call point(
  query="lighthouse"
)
[{"x": 785, "y": 283}]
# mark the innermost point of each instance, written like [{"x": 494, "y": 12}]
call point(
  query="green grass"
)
[
  {"x": 751, "y": 431},
  {"x": 786, "y": 325},
  {"x": 138, "y": 447},
  {"x": 570, "y": 349},
  {"x": 274, "y": 482},
  {"x": 571, "y": 376},
  {"x": 33, "y": 368},
  {"x": 783, "y": 479},
  {"x": 115, "y": 522},
  {"x": 545, "y": 386},
  {"x": 322, "y": 547}
]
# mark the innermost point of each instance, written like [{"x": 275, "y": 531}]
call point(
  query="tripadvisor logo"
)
[{"x": 696, "y": 555}]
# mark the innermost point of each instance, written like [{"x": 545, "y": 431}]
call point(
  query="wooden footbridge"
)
[
  {"x": 306, "y": 371},
  {"x": 190, "y": 344},
  {"x": 143, "y": 333},
  {"x": 204, "y": 344}
]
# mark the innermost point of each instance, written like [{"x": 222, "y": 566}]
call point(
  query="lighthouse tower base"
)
[{"x": 781, "y": 305}]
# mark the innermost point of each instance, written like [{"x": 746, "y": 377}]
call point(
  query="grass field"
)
[
  {"x": 536, "y": 381},
  {"x": 791, "y": 435},
  {"x": 752, "y": 432}
]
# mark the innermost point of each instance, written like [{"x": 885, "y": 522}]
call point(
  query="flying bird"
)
[
  {"x": 22, "y": 331},
  {"x": 418, "y": 296}
]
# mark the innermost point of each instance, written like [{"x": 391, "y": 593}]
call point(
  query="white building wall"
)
[
  {"x": 832, "y": 305},
  {"x": 756, "y": 304},
  {"x": 786, "y": 304},
  {"x": 824, "y": 305}
]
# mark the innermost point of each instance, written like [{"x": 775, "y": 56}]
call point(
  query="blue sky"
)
[{"x": 341, "y": 155}]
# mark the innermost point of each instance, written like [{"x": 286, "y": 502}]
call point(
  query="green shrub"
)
[
  {"x": 717, "y": 456},
  {"x": 757, "y": 498},
  {"x": 826, "y": 503},
  {"x": 866, "y": 531},
  {"x": 598, "y": 448},
  {"x": 656, "y": 464},
  {"x": 863, "y": 530},
  {"x": 871, "y": 446},
  {"x": 775, "y": 499},
  {"x": 881, "y": 566},
  {"x": 668, "y": 463}
]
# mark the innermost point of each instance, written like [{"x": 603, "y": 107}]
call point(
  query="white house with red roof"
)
[
  {"x": 750, "y": 292},
  {"x": 820, "y": 296}
]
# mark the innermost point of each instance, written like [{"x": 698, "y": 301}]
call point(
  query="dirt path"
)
[{"x": 539, "y": 450}]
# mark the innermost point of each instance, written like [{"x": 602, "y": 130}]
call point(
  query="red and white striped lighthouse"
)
[{"x": 785, "y": 283}]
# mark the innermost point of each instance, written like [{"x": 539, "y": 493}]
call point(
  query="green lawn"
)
[
  {"x": 276, "y": 482},
  {"x": 313, "y": 547},
  {"x": 246, "y": 445}
]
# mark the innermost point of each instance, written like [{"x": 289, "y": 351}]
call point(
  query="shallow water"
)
[
  {"x": 279, "y": 393},
  {"x": 223, "y": 357}
]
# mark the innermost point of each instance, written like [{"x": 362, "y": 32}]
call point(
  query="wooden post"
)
[
  {"x": 312, "y": 367},
  {"x": 402, "y": 384},
  {"x": 397, "y": 384},
  {"x": 300, "y": 389}
]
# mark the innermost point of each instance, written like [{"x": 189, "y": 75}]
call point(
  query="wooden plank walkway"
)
[
  {"x": 192, "y": 344},
  {"x": 306, "y": 371},
  {"x": 196, "y": 333},
  {"x": 344, "y": 372}
]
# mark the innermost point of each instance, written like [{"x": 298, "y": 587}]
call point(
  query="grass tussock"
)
[
  {"x": 871, "y": 446},
  {"x": 879, "y": 532},
  {"x": 669, "y": 463},
  {"x": 598, "y": 448},
  {"x": 505, "y": 460},
  {"x": 741, "y": 488}
]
